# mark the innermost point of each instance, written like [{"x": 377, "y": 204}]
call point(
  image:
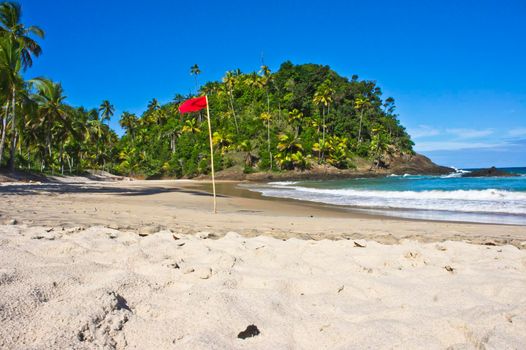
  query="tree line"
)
[{"x": 300, "y": 116}]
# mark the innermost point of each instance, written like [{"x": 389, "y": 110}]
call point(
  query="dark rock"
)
[
  {"x": 489, "y": 172},
  {"x": 360, "y": 244},
  {"x": 11, "y": 222},
  {"x": 251, "y": 331}
]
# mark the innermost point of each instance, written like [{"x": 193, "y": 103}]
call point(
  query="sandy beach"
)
[{"x": 145, "y": 264}]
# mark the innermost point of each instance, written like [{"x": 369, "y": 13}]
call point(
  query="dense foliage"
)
[{"x": 295, "y": 118}]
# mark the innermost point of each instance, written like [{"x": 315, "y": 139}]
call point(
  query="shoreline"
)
[
  {"x": 186, "y": 205},
  {"x": 231, "y": 188}
]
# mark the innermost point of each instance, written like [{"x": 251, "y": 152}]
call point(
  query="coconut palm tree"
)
[
  {"x": 106, "y": 110},
  {"x": 266, "y": 75},
  {"x": 190, "y": 126},
  {"x": 229, "y": 81},
  {"x": 267, "y": 117},
  {"x": 195, "y": 71},
  {"x": 290, "y": 151},
  {"x": 323, "y": 97},
  {"x": 11, "y": 81},
  {"x": 361, "y": 104},
  {"x": 153, "y": 105},
  {"x": 128, "y": 122},
  {"x": 295, "y": 118},
  {"x": 14, "y": 31},
  {"x": 53, "y": 113},
  {"x": 222, "y": 139}
]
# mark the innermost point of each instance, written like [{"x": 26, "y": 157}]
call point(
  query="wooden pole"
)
[{"x": 211, "y": 153}]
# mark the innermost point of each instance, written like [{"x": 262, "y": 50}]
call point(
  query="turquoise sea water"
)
[{"x": 449, "y": 197}]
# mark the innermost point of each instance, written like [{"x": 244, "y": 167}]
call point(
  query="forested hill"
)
[
  {"x": 295, "y": 118},
  {"x": 299, "y": 117}
]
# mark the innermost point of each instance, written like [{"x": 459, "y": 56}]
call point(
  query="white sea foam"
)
[
  {"x": 283, "y": 183},
  {"x": 481, "y": 201}
]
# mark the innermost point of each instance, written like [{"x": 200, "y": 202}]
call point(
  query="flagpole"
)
[{"x": 211, "y": 153}]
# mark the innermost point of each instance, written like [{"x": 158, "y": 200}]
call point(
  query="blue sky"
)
[{"x": 455, "y": 68}]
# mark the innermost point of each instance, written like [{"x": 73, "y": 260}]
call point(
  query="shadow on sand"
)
[{"x": 80, "y": 187}]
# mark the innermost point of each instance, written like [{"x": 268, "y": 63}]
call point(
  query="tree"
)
[
  {"x": 323, "y": 97},
  {"x": 14, "y": 31},
  {"x": 153, "y": 105},
  {"x": 195, "y": 71},
  {"x": 361, "y": 104},
  {"x": 190, "y": 126},
  {"x": 51, "y": 110},
  {"x": 379, "y": 145},
  {"x": 10, "y": 63},
  {"x": 229, "y": 81},
  {"x": 106, "y": 110},
  {"x": 295, "y": 118},
  {"x": 128, "y": 122},
  {"x": 290, "y": 152},
  {"x": 267, "y": 117},
  {"x": 266, "y": 75},
  {"x": 222, "y": 139}
]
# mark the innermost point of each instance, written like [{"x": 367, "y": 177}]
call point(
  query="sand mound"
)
[{"x": 103, "y": 288}]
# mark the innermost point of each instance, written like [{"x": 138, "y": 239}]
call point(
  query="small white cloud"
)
[
  {"x": 469, "y": 133},
  {"x": 517, "y": 132},
  {"x": 454, "y": 145},
  {"x": 423, "y": 131}
]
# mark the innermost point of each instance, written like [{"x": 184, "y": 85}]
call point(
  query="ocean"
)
[{"x": 450, "y": 197}]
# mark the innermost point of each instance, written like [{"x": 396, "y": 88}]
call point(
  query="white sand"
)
[{"x": 110, "y": 289}]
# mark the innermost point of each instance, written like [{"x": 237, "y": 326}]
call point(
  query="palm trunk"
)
[
  {"x": 4, "y": 127},
  {"x": 233, "y": 110},
  {"x": 70, "y": 164},
  {"x": 62, "y": 158},
  {"x": 268, "y": 103},
  {"x": 323, "y": 135},
  {"x": 13, "y": 126},
  {"x": 268, "y": 129},
  {"x": 268, "y": 142},
  {"x": 360, "y": 130}
]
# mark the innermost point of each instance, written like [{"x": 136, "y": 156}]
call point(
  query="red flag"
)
[{"x": 193, "y": 105}]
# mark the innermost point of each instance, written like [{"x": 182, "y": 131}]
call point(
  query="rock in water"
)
[
  {"x": 251, "y": 331},
  {"x": 490, "y": 172}
]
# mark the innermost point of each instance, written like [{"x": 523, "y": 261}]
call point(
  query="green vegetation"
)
[{"x": 295, "y": 118}]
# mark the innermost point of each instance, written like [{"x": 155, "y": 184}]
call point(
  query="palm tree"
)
[
  {"x": 14, "y": 31},
  {"x": 52, "y": 111},
  {"x": 11, "y": 81},
  {"x": 290, "y": 151},
  {"x": 323, "y": 97},
  {"x": 195, "y": 71},
  {"x": 295, "y": 118},
  {"x": 222, "y": 139},
  {"x": 106, "y": 110},
  {"x": 266, "y": 117},
  {"x": 361, "y": 103},
  {"x": 248, "y": 147},
  {"x": 128, "y": 122},
  {"x": 153, "y": 105},
  {"x": 229, "y": 81},
  {"x": 267, "y": 80},
  {"x": 190, "y": 126}
]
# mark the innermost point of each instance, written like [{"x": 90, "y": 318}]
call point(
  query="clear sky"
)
[{"x": 457, "y": 69}]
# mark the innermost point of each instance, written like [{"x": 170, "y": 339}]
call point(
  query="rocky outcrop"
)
[
  {"x": 395, "y": 164},
  {"x": 489, "y": 172},
  {"x": 416, "y": 164}
]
